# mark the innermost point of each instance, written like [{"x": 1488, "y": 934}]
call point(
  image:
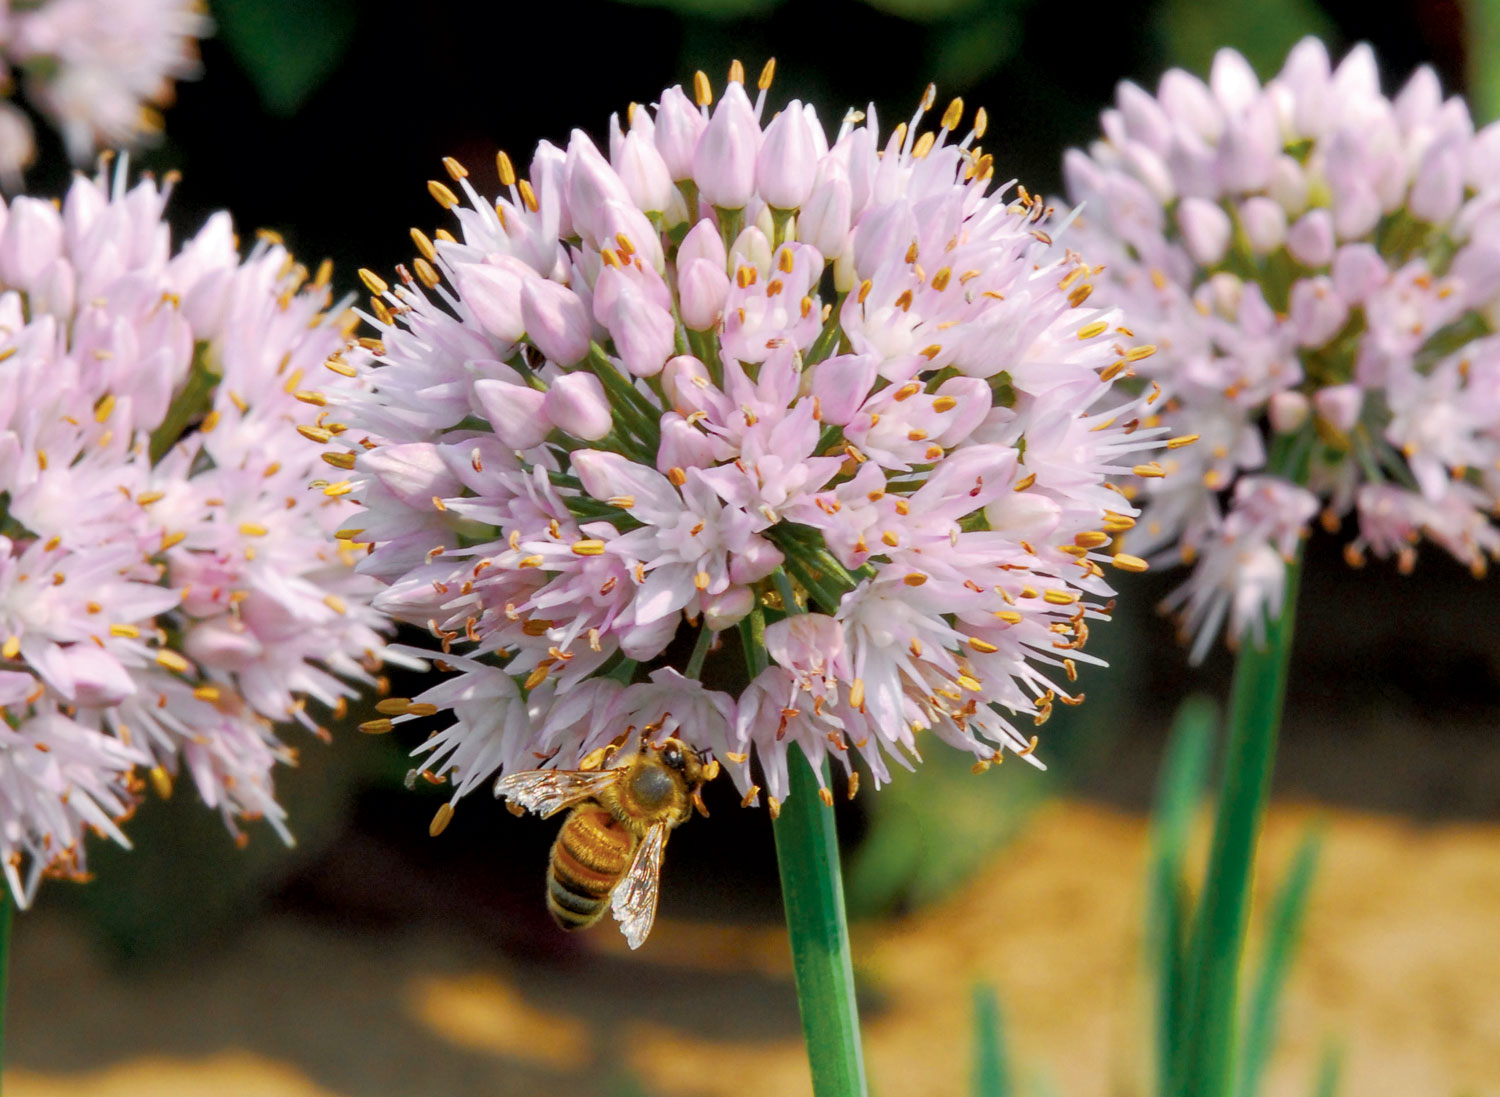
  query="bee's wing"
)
[
  {"x": 548, "y": 791},
  {"x": 634, "y": 901}
]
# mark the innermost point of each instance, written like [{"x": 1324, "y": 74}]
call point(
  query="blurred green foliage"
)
[
  {"x": 1263, "y": 30},
  {"x": 287, "y": 47},
  {"x": 991, "y": 1076}
]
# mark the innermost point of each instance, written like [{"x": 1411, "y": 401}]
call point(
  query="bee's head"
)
[{"x": 696, "y": 766}]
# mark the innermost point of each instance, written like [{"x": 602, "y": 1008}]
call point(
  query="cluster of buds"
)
[
  {"x": 169, "y": 589},
  {"x": 1318, "y": 267},
  {"x": 843, "y": 397}
]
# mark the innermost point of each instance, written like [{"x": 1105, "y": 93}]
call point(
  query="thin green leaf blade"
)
[
  {"x": 1179, "y": 791},
  {"x": 812, "y": 889},
  {"x": 1330, "y": 1068},
  {"x": 991, "y": 1058},
  {"x": 1204, "y": 1065},
  {"x": 1283, "y": 931}
]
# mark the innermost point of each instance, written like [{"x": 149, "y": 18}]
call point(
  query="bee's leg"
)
[{"x": 698, "y": 802}]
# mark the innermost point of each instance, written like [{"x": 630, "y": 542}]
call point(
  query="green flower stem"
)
[
  {"x": 7, "y": 912},
  {"x": 812, "y": 889},
  {"x": 807, "y": 851},
  {"x": 700, "y": 652},
  {"x": 1205, "y": 1062},
  {"x": 1482, "y": 22}
]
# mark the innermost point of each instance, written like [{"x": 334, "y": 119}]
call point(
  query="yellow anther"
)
[
  {"x": 314, "y": 434},
  {"x": 456, "y": 170},
  {"x": 736, "y": 72},
  {"x": 1060, "y": 597},
  {"x": 253, "y": 529},
  {"x": 528, "y": 195},
  {"x": 445, "y": 197},
  {"x": 588, "y": 548},
  {"x": 506, "y": 169},
  {"x": 1091, "y": 539},
  {"x": 128, "y": 631},
  {"x": 441, "y": 820},
  {"x": 1135, "y": 354},
  {"x": 1149, "y": 470},
  {"x": 914, "y": 579},
  {"x": 953, "y": 115},
  {"x": 767, "y": 74},
  {"x": 1090, "y": 331},
  {"x": 209, "y": 694},
  {"x": 981, "y": 122},
  {"x": 944, "y": 403},
  {"x": 172, "y": 661},
  {"x": 703, "y": 93},
  {"x": 1126, "y": 562},
  {"x": 104, "y": 407},
  {"x": 424, "y": 245},
  {"x": 11, "y": 648},
  {"x": 341, "y": 459},
  {"x": 1181, "y": 440}
]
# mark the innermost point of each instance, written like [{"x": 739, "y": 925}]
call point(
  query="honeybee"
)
[{"x": 609, "y": 850}]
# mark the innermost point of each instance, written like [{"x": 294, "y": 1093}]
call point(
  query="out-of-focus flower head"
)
[
  {"x": 98, "y": 70},
  {"x": 1319, "y": 268},
  {"x": 675, "y": 385},
  {"x": 169, "y": 589}
]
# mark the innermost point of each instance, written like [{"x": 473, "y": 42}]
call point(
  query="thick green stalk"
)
[
  {"x": 1205, "y": 1060},
  {"x": 807, "y": 851},
  {"x": 7, "y": 912},
  {"x": 1482, "y": 53}
]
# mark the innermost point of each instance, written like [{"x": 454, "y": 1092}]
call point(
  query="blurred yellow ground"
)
[{"x": 1401, "y": 964}]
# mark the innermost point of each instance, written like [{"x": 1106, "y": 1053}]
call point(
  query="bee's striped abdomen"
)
[{"x": 591, "y": 854}]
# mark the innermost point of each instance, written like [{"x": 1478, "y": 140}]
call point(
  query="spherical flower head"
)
[
  {"x": 170, "y": 591},
  {"x": 1318, "y": 269},
  {"x": 837, "y": 394},
  {"x": 98, "y": 70}
]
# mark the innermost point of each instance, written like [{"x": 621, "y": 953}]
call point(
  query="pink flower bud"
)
[
  {"x": 677, "y": 381},
  {"x": 643, "y": 332},
  {"x": 30, "y": 242},
  {"x": 788, "y": 162},
  {"x": 1438, "y": 187},
  {"x": 492, "y": 291},
  {"x": 1358, "y": 270},
  {"x": 679, "y": 126},
  {"x": 702, "y": 289},
  {"x": 644, "y": 173},
  {"x": 724, "y": 162},
  {"x": 751, "y": 248},
  {"x": 591, "y": 183},
  {"x": 1287, "y": 411},
  {"x": 824, "y": 220},
  {"x": 515, "y": 411},
  {"x": 549, "y": 179},
  {"x": 1205, "y": 230},
  {"x": 1310, "y": 240},
  {"x": 413, "y": 472},
  {"x": 755, "y": 561},
  {"x": 703, "y": 242},
  {"x": 841, "y": 384},
  {"x": 216, "y": 644},
  {"x": 1265, "y": 224},
  {"x": 683, "y": 445},
  {"x": 728, "y": 608},
  {"x": 1338, "y": 405},
  {"x": 556, "y": 321},
  {"x": 1317, "y": 312},
  {"x": 576, "y": 403},
  {"x": 1289, "y": 186}
]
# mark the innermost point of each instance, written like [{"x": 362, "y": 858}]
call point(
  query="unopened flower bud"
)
[
  {"x": 643, "y": 332},
  {"x": 515, "y": 411},
  {"x": 1205, "y": 230},
  {"x": 1338, "y": 405},
  {"x": 721, "y": 611},
  {"x": 1287, "y": 411},
  {"x": 1317, "y": 312},
  {"x": 30, "y": 242},
  {"x": 679, "y": 126},
  {"x": 1438, "y": 187},
  {"x": 724, "y": 162},
  {"x": 576, "y": 403},
  {"x": 702, "y": 290},
  {"x": 1265, "y": 224},
  {"x": 703, "y": 242},
  {"x": 789, "y": 154},
  {"x": 823, "y": 221},
  {"x": 492, "y": 290},
  {"x": 1310, "y": 240},
  {"x": 644, "y": 173},
  {"x": 556, "y": 321}
]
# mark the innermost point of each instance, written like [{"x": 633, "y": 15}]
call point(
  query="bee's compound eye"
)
[{"x": 672, "y": 756}]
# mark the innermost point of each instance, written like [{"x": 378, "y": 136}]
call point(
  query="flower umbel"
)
[
  {"x": 169, "y": 589},
  {"x": 1319, "y": 268},
  {"x": 96, "y": 69},
  {"x": 720, "y": 375}
]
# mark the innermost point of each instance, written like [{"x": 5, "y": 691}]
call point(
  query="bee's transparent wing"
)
[
  {"x": 548, "y": 791},
  {"x": 634, "y": 901}
]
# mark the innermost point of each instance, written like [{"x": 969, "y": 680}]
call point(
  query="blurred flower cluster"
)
[
  {"x": 168, "y": 587},
  {"x": 95, "y": 69},
  {"x": 1319, "y": 269},
  {"x": 727, "y": 370}
]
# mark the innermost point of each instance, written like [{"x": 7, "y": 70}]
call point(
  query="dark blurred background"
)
[{"x": 322, "y": 120}]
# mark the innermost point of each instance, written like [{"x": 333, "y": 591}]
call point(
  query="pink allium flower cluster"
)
[
  {"x": 95, "y": 69},
  {"x": 670, "y": 390},
  {"x": 1319, "y": 268},
  {"x": 169, "y": 588}
]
